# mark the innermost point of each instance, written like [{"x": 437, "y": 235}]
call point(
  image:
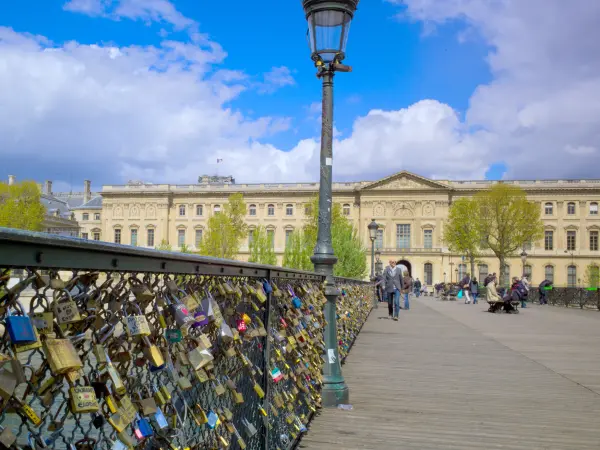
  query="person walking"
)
[
  {"x": 545, "y": 286},
  {"x": 465, "y": 285},
  {"x": 407, "y": 284},
  {"x": 379, "y": 286},
  {"x": 525, "y": 283},
  {"x": 418, "y": 288},
  {"x": 474, "y": 290},
  {"x": 393, "y": 284}
]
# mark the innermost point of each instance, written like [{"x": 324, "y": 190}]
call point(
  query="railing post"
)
[{"x": 267, "y": 357}]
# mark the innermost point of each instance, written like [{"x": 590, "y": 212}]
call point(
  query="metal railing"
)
[{"x": 222, "y": 354}]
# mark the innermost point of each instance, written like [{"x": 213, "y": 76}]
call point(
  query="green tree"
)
[
  {"x": 164, "y": 245},
  {"x": 506, "y": 221},
  {"x": 226, "y": 230},
  {"x": 185, "y": 249},
  {"x": 21, "y": 206},
  {"x": 261, "y": 247},
  {"x": 592, "y": 276},
  {"x": 297, "y": 252},
  {"x": 347, "y": 246},
  {"x": 461, "y": 232}
]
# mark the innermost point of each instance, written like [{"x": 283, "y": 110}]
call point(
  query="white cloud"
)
[
  {"x": 275, "y": 79},
  {"x": 545, "y": 95}
]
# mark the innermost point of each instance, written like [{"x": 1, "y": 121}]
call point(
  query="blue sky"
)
[{"x": 401, "y": 56}]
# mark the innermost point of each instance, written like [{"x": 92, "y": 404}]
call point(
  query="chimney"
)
[
  {"x": 11, "y": 180},
  {"x": 87, "y": 191},
  {"x": 48, "y": 187}
]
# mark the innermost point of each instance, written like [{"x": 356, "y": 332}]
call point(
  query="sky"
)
[{"x": 160, "y": 90}]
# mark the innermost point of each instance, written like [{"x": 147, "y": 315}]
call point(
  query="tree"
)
[
  {"x": 461, "y": 231},
  {"x": 592, "y": 276},
  {"x": 297, "y": 252},
  {"x": 185, "y": 249},
  {"x": 21, "y": 206},
  {"x": 226, "y": 230},
  {"x": 261, "y": 247},
  {"x": 506, "y": 221},
  {"x": 164, "y": 245},
  {"x": 347, "y": 246}
]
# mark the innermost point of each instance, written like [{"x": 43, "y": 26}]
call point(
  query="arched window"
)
[
  {"x": 462, "y": 271},
  {"x": 483, "y": 272},
  {"x": 289, "y": 210},
  {"x": 346, "y": 209},
  {"x": 308, "y": 209},
  {"x": 252, "y": 210},
  {"x": 570, "y": 208},
  {"x": 548, "y": 209},
  {"x": 571, "y": 276},
  {"x": 428, "y": 274},
  {"x": 270, "y": 210},
  {"x": 549, "y": 273},
  {"x": 379, "y": 239},
  {"x": 594, "y": 208},
  {"x": 182, "y": 210},
  {"x": 527, "y": 272},
  {"x": 217, "y": 209},
  {"x": 506, "y": 274}
]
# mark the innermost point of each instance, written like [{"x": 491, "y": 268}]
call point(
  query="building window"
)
[
  {"x": 288, "y": 236},
  {"x": 134, "y": 235},
  {"x": 549, "y": 240},
  {"x": 594, "y": 209},
  {"x": 428, "y": 274},
  {"x": 198, "y": 240},
  {"x": 182, "y": 210},
  {"x": 549, "y": 273},
  {"x": 96, "y": 235},
  {"x": 571, "y": 276},
  {"x": 594, "y": 241},
  {"x": 527, "y": 272},
  {"x": 180, "y": 238},
  {"x": 483, "y": 273},
  {"x": 270, "y": 210},
  {"x": 462, "y": 271},
  {"x": 217, "y": 209},
  {"x": 250, "y": 238},
  {"x": 379, "y": 239},
  {"x": 428, "y": 238},
  {"x": 528, "y": 246},
  {"x": 86, "y": 216},
  {"x": 289, "y": 210},
  {"x": 117, "y": 236},
  {"x": 97, "y": 216},
  {"x": 308, "y": 209},
  {"x": 150, "y": 240},
  {"x": 403, "y": 236},
  {"x": 252, "y": 210},
  {"x": 199, "y": 210},
  {"x": 346, "y": 209},
  {"x": 571, "y": 240},
  {"x": 84, "y": 235},
  {"x": 548, "y": 209},
  {"x": 571, "y": 209},
  {"x": 271, "y": 237}
]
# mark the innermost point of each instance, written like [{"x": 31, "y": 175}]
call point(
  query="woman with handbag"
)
[{"x": 465, "y": 285}]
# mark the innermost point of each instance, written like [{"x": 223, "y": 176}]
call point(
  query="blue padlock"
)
[
  {"x": 144, "y": 427},
  {"x": 296, "y": 302},
  {"x": 20, "y": 328},
  {"x": 267, "y": 287}
]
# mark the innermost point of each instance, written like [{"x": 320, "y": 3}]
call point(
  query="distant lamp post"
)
[
  {"x": 328, "y": 28},
  {"x": 451, "y": 272},
  {"x": 456, "y": 273},
  {"x": 373, "y": 227},
  {"x": 523, "y": 261},
  {"x": 378, "y": 263},
  {"x": 444, "y": 277}
]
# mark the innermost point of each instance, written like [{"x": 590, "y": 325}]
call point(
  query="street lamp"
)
[
  {"x": 328, "y": 28},
  {"x": 444, "y": 277},
  {"x": 451, "y": 271},
  {"x": 373, "y": 227},
  {"x": 523, "y": 261},
  {"x": 456, "y": 273}
]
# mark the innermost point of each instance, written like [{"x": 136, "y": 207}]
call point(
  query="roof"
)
[{"x": 94, "y": 203}]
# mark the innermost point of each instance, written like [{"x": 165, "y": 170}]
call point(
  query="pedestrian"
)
[
  {"x": 418, "y": 287},
  {"x": 545, "y": 286},
  {"x": 407, "y": 284},
  {"x": 518, "y": 291},
  {"x": 465, "y": 285},
  {"x": 474, "y": 290},
  {"x": 393, "y": 284},
  {"x": 525, "y": 283}
]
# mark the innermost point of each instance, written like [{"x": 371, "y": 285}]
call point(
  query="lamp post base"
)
[{"x": 334, "y": 394}]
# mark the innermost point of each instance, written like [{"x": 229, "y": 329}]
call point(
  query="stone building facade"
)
[{"x": 410, "y": 209}]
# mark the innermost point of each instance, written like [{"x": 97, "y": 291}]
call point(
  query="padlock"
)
[
  {"x": 65, "y": 308},
  {"x": 86, "y": 443},
  {"x": 8, "y": 384},
  {"x": 199, "y": 357},
  {"x": 144, "y": 427},
  {"x": 137, "y": 324},
  {"x": 7, "y": 437},
  {"x": 152, "y": 353},
  {"x": 83, "y": 400},
  {"x": 141, "y": 291},
  {"x": 249, "y": 428},
  {"x": 43, "y": 321},
  {"x": 160, "y": 419},
  {"x": 20, "y": 327},
  {"x": 61, "y": 355}
]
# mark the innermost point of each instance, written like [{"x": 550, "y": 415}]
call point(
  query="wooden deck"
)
[{"x": 452, "y": 376}]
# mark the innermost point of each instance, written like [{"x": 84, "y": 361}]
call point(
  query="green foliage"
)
[
  {"x": 506, "y": 221},
  {"x": 185, "y": 249},
  {"x": 261, "y": 248},
  {"x": 226, "y": 230},
  {"x": 347, "y": 246},
  {"x": 164, "y": 245},
  {"x": 592, "y": 276},
  {"x": 461, "y": 232},
  {"x": 21, "y": 206},
  {"x": 298, "y": 251}
]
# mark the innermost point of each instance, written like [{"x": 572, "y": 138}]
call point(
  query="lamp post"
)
[
  {"x": 523, "y": 261},
  {"x": 451, "y": 271},
  {"x": 328, "y": 27},
  {"x": 456, "y": 273},
  {"x": 373, "y": 227},
  {"x": 444, "y": 277}
]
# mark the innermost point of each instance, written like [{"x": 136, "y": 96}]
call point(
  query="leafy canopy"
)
[
  {"x": 21, "y": 206},
  {"x": 262, "y": 250},
  {"x": 298, "y": 252},
  {"x": 226, "y": 230},
  {"x": 461, "y": 232}
]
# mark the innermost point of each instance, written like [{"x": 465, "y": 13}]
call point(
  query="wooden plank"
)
[{"x": 453, "y": 376}]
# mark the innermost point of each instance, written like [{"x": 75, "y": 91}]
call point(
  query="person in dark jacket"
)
[
  {"x": 474, "y": 290},
  {"x": 543, "y": 289},
  {"x": 393, "y": 285},
  {"x": 465, "y": 285},
  {"x": 418, "y": 287},
  {"x": 407, "y": 284}
]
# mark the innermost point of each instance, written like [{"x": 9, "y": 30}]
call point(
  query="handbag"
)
[{"x": 460, "y": 294}]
